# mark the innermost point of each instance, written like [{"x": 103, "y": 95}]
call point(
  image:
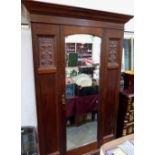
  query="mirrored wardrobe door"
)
[{"x": 82, "y": 75}]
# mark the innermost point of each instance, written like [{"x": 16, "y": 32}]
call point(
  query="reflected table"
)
[{"x": 79, "y": 105}]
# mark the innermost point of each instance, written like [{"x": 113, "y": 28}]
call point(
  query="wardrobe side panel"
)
[
  {"x": 45, "y": 51},
  {"x": 113, "y": 50}
]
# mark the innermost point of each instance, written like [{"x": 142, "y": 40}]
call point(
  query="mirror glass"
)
[{"x": 82, "y": 57}]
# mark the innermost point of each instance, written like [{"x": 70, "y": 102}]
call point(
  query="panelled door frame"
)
[{"x": 95, "y": 31}]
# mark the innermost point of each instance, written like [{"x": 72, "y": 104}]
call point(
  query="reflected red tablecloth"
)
[{"x": 81, "y": 104}]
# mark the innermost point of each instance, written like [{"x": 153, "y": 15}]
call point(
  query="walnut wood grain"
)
[{"x": 51, "y": 23}]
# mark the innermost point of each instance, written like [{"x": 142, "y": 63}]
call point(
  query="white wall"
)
[
  {"x": 121, "y": 6},
  {"x": 28, "y": 110}
]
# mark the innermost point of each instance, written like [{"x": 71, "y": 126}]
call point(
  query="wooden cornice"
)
[{"x": 35, "y": 7}]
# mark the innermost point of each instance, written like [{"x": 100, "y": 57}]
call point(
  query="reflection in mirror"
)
[{"x": 82, "y": 88}]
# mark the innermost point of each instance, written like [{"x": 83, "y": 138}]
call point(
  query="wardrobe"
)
[{"x": 50, "y": 24}]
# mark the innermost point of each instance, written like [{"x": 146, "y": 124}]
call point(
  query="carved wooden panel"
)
[
  {"x": 114, "y": 45},
  {"x": 46, "y": 52}
]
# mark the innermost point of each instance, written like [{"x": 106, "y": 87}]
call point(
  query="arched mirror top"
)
[
  {"x": 85, "y": 45},
  {"x": 82, "y": 38}
]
